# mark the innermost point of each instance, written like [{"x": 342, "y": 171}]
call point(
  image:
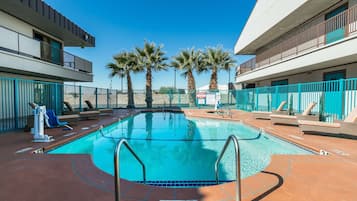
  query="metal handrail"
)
[
  {"x": 237, "y": 159},
  {"x": 117, "y": 165}
]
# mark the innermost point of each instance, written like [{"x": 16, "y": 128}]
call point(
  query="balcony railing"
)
[
  {"x": 306, "y": 39},
  {"x": 14, "y": 42}
]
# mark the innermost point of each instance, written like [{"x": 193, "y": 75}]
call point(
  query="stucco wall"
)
[
  {"x": 266, "y": 14},
  {"x": 313, "y": 76},
  {"x": 305, "y": 26},
  {"x": 20, "y": 26}
]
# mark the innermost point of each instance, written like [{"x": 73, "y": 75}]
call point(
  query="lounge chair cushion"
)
[
  {"x": 95, "y": 112},
  {"x": 283, "y": 116},
  {"x": 261, "y": 112},
  {"x": 319, "y": 123}
]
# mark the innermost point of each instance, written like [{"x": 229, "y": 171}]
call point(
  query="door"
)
[
  {"x": 335, "y": 25},
  {"x": 334, "y": 95},
  {"x": 279, "y": 93},
  {"x": 56, "y": 52}
]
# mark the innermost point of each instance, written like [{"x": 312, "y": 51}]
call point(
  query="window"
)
[
  {"x": 335, "y": 26},
  {"x": 51, "y": 50},
  {"x": 279, "y": 82}
]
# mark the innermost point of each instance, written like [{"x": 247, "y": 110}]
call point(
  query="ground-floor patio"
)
[{"x": 37, "y": 177}]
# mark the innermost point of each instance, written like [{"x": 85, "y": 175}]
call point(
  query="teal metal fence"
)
[
  {"x": 17, "y": 93},
  {"x": 335, "y": 99}
]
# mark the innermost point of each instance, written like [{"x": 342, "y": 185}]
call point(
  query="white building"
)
[
  {"x": 33, "y": 63},
  {"x": 221, "y": 87},
  {"x": 298, "y": 41}
]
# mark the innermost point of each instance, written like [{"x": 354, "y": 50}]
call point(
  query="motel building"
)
[
  {"x": 298, "y": 41},
  {"x": 33, "y": 63}
]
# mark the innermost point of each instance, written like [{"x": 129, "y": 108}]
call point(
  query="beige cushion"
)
[
  {"x": 283, "y": 116},
  {"x": 319, "y": 123},
  {"x": 73, "y": 116},
  {"x": 90, "y": 112},
  {"x": 260, "y": 112}
]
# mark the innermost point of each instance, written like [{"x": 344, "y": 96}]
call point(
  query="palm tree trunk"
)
[
  {"x": 148, "y": 98},
  {"x": 131, "y": 103},
  {"x": 191, "y": 85},
  {"x": 213, "y": 81}
]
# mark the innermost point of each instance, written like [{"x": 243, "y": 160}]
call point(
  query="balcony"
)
[
  {"x": 24, "y": 46},
  {"x": 304, "y": 41}
]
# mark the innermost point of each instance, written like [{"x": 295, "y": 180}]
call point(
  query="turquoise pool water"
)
[{"x": 175, "y": 148}]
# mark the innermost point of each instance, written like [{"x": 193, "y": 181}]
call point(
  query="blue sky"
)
[{"x": 177, "y": 24}]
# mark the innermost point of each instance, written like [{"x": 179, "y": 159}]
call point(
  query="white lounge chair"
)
[
  {"x": 266, "y": 115},
  {"x": 293, "y": 120},
  {"x": 348, "y": 126}
]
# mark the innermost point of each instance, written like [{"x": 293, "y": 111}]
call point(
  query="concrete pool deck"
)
[{"x": 37, "y": 177}]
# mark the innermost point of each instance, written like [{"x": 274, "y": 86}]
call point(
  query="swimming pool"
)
[{"x": 174, "y": 148}]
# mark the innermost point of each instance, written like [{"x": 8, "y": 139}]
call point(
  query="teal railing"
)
[
  {"x": 335, "y": 99},
  {"x": 17, "y": 93}
]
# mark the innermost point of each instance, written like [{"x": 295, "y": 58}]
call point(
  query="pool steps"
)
[{"x": 184, "y": 184}]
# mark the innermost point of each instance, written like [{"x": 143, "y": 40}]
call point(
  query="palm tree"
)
[
  {"x": 189, "y": 61},
  {"x": 217, "y": 59},
  {"x": 151, "y": 57},
  {"x": 125, "y": 63}
]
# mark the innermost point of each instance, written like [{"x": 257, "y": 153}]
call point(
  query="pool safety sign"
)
[
  {"x": 208, "y": 98},
  {"x": 201, "y": 98}
]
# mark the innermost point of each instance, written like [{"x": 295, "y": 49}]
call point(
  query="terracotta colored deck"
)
[{"x": 37, "y": 177}]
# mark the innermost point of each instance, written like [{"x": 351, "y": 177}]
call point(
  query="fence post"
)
[
  {"x": 80, "y": 98},
  {"x": 342, "y": 89},
  {"x": 179, "y": 99},
  {"x": 116, "y": 98},
  {"x": 108, "y": 98},
  {"x": 257, "y": 99},
  {"x": 299, "y": 97},
  {"x": 16, "y": 102},
  {"x": 96, "y": 97},
  {"x": 56, "y": 98},
  {"x": 237, "y": 99},
  {"x": 276, "y": 97}
]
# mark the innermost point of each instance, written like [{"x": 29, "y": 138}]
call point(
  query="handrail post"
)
[
  {"x": 117, "y": 166},
  {"x": 234, "y": 139}
]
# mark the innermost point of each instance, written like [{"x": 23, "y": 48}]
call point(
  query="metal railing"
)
[
  {"x": 335, "y": 99},
  {"x": 15, "y": 42},
  {"x": 233, "y": 139},
  {"x": 305, "y": 39},
  {"x": 117, "y": 165}
]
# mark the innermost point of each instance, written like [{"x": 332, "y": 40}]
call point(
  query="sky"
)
[{"x": 122, "y": 25}]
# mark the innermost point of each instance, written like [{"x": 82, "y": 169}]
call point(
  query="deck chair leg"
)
[{"x": 70, "y": 128}]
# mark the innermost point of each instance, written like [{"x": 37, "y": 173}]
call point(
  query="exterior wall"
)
[
  {"x": 21, "y": 27},
  {"x": 313, "y": 76},
  {"x": 338, "y": 53},
  {"x": 306, "y": 25},
  {"x": 19, "y": 64},
  {"x": 352, "y": 2},
  {"x": 266, "y": 14},
  {"x": 27, "y": 77},
  {"x": 17, "y": 45}
]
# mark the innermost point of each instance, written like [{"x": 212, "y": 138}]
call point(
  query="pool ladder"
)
[
  {"x": 117, "y": 165},
  {"x": 231, "y": 138}
]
